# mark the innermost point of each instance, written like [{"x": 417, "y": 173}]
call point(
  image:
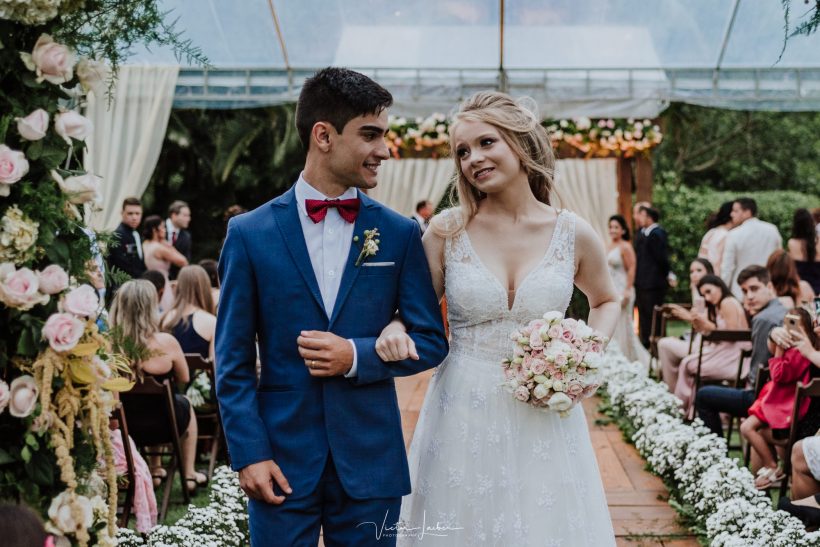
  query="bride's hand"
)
[{"x": 393, "y": 343}]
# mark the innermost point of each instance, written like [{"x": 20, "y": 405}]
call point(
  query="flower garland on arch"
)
[
  {"x": 58, "y": 374},
  {"x": 579, "y": 137}
]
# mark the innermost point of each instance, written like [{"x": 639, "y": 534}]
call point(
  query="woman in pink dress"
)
[
  {"x": 159, "y": 255},
  {"x": 719, "y": 362}
]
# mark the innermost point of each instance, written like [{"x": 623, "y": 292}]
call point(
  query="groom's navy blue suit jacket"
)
[{"x": 269, "y": 294}]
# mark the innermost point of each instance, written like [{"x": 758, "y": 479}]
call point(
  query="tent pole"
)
[
  {"x": 502, "y": 75},
  {"x": 281, "y": 44}
]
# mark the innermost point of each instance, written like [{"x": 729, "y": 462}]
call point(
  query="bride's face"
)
[
  {"x": 485, "y": 158},
  {"x": 615, "y": 230}
]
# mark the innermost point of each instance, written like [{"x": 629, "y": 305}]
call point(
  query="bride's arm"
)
[
  {"x": 590, "y": 261},
  {"x": 393, "y": 343}
]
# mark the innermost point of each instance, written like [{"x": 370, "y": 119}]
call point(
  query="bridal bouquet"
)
[{"x": 555, "y": 363}]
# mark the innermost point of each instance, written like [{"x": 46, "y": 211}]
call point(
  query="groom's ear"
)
[{"x": 320, "y": 135}]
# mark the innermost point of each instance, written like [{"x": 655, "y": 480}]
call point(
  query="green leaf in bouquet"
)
[
  {"x": 27, "y": 343},
  {"x": 53, "y": 155},
  {"x": 25, "y": 453},
  {"x": 35, "y": 150},
  {"x": 58, "y": 252},
  {"x": 5, "y": 457},
  {"x": 4, "y": 126},
  {"x": 30, "y": 80},
  {"x": 41, "y": 468}
]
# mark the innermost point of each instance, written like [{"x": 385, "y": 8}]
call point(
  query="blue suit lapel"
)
[
  {"x": 287, "y": 219},
  {"x": 369, "y": 215}
]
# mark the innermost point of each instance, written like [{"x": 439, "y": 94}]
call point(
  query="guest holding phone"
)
[{"x": 770, "y": 415}]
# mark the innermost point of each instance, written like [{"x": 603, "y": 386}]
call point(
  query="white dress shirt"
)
[
  {"x": 421, "y": 220},
  {"x": 138, "y": 242},
  {"x": 170, "y": 230},
  {"x": 328, "y": 244},
  {"x": 749, "y": 244}
]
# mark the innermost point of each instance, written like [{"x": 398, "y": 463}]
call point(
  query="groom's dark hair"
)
[{"x": 337, "y": 95}]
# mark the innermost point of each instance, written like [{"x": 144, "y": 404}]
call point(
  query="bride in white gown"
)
[{"x": 486, "y": 469}]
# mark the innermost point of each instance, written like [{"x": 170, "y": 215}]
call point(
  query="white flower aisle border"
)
[
  {"x": 725, "y": 505},
  {"x": 221, "y": 523}
]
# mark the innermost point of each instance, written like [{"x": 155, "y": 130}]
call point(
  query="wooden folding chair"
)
[
  {"x": 150, "y": 394},
  {"x": 197, "y": 363},
  {"x": 124, "y": 509},
  {"x": 660, "y": 320},
  {"x": 812, "y": 389},
  {"x": 721, "y": 336}
]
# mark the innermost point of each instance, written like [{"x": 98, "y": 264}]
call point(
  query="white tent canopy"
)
[{"x": 575, "y": 57}]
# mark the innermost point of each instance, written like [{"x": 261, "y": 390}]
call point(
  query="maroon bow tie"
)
[{"x": 317, "y": 208}]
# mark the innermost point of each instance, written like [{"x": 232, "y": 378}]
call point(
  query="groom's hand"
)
[
  {"x": 256, "y": 480},
  {"x": 325, "y": 354}
]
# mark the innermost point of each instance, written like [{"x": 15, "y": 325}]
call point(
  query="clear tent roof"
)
[{"x": 574, "y": 57}]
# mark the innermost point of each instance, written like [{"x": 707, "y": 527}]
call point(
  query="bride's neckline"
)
[{"x": 506, "y": 292}]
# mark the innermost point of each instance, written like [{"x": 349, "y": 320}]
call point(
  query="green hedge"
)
[{"x": 684, "y": 211}]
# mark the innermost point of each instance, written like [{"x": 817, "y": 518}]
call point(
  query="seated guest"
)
[
  {"x": 158, "y": 279},
  {"x": 134, "y": 312},
  {"x": 190, "y": 319},
  {"x": 672, "y": 349},
  {"x": 720, "y": 359},
  {"x": 791, "y": 291},
  {"x": 211, "y": 268},
  {"x": 20, "y": 526},
  {"x": 770, "y": 415},
  {"x": 804, "y": 248},
  {"x": 767, "y": 312},
  {"x": 160, "y": 255}
]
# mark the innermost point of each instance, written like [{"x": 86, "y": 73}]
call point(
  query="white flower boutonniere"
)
[{"x": 370, "y": 246}]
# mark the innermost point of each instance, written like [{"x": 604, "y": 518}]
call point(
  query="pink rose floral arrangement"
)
[{"x": 555, "y": 363}]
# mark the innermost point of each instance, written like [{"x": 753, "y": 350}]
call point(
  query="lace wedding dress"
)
[{"x": 486, "y": 469}]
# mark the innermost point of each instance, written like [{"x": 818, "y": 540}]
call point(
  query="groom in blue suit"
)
[{"x": 312, "y": 278}]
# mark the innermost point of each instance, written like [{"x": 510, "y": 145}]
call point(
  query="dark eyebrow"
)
[{"x": 373, "y": 129}]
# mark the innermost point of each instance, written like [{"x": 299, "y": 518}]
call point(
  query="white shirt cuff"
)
[{"x": 352, "y": 372}]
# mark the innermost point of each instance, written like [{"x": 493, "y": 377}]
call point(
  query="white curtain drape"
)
[
  {"x": 128, "y": 135},
  {"x": 589, "y": 188},
  {"x": 403, "y": 183}
]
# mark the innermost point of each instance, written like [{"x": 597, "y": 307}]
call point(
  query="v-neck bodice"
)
[{"x": 477, "y": 303}]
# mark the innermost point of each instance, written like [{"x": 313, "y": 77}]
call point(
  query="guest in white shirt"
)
[
  {"x": 424, "y": 212},
  {"x": 749, "y": 243}
]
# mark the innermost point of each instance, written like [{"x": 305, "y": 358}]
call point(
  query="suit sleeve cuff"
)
[{"x": 352, "y": 372}]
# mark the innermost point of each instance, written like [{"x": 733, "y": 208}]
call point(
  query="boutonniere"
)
[{"x": 369, "y": 247}]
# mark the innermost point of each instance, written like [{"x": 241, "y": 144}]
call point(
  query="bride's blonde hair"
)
[{"x": 521, "y": 130}]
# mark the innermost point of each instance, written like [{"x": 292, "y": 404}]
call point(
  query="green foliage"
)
[
  {"x": 213, "y": 159},
  {"x": 684, "y": 211},
  {"x": 740, "y": 151}
]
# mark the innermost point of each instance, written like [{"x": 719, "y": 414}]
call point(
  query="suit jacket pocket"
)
[{"x": 378, "y": 268}]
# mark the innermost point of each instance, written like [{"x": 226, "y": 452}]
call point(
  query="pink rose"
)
[
  {"x": 74, "y": 125},
  {"x": 522, "y": 393},
  {"x": 551, "y": 369},
  {"x": 63, "y": 331},
  {"x": 509, "y": 374},
  {"x": 561, "y": 359},
  {"x": 522, "y": 375},
  {"x": 590, "y": 389},
  {"x": 575, "y": 389},
  {"x": 538, "y": 366},
  {"x": 535, "y": 339},
  {"x": 518, "y": 351},
  {"x": 577, "y": 356},
  {"x": 34, "y": 126},
  {"x": 554, "y": 332},
  {"x": 558, "y": 375},
  {"x": 536, "y": 324},
  {"x": 53, "y": 279},
  {"x": 13, "y": 167},
  {"x": 567, "y": 336},
  {"x": 82, "y": 301},
  {"x": 51, "y": 61},
  {"x": 23, "y": 396},
  {"x": 20, "y": 288},
  {"x": 596, "y": 347},
  {"x": 79, "y": 188},
  {"x": 581, "y": 371},
  {"x": 4, "y": 395}
]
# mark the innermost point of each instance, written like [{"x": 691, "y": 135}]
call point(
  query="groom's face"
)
[{"x": 357, "y": 152}]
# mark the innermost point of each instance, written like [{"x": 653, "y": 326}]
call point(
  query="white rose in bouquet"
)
[
  {"x": 80, "y": 188},
  {"x": 13, "y": 167},
  {"x": 34, "y": 126},
  {"x": 73, "y": 125},
  {"x": 53, "y": 279},
  {"x": 63, "y": 517},
  {"x": 4, "y": 395},
  {"x": 19, "y": 289},
  {"x": 559, "y": 402},
  {"x": 553, "y": 316},
  {"x": 51, "y": 61},
  {"x": 23, "y": 396},
  {"x": 93, "y": 76}
]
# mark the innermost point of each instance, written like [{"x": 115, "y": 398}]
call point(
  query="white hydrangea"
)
[{"x": 35, "y": 12}]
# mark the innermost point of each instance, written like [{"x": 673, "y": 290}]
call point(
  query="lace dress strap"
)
[{"x": 564, "y": 238}]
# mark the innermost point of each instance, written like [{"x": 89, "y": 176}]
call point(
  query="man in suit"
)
[
  {"x": 749, "y": 243},
  {"x": 317, "y": 439},
  {"x": 176, "y": 231},
  {"x": 126, "y": 253},
  {"x": 652, "y": 252},
  {"x": 424, "y": 212}
]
